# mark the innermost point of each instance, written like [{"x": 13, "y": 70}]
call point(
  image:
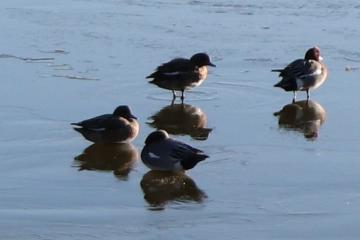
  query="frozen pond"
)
[{"x": 267, "y": 177}]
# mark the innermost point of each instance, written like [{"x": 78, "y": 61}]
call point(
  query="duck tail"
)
[
  {"x": 190, "y": 163},
  {"x": 200, "y": 156},
  {"x": 277, "y": 70},
  {"x": 80, "y": 130},
  {"x": 279, "y": 84},
  {"x": 153, "y": 75},
  {"x": 156, "y": 78},
  {"x": 287, "y": 85},
  {"x": 276, "y": 113}
]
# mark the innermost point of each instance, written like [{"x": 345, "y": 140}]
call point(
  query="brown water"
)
[{"x": 267, "y": 177}]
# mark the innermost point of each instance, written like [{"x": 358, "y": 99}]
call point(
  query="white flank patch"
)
[
  {"x": 195, "y": 84},
  {"x": 317, "y": 72},
  {"x": 198, "y": 112},
  {"x": 152, "y": 155}
]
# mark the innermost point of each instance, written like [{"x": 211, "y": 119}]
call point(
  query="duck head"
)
[
  {"x": 123, "y": 111},
  {"x": 156, "y": 136},
  {"x": 201, "y": 59},
  {"x": 313, "y": 54}
]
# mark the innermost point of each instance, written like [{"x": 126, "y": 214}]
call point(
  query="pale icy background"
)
[{"x": 261, "y": 182}]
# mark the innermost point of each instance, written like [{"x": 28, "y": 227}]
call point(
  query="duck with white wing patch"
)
[
  {"x": 181, "y": 74},
  {"x": 166, "y": 154},
  {"x": 303, "y": 74}
]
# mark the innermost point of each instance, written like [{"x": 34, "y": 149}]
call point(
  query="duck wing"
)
[
  {"x": 188, "y": 155},
  {"x": 303, "y": 70},
  {"x": 106, "y": 121},
  {"x": 299, "y": 68},
  {"x": 175, "y": 66},
  {"x": 171, "y": 155}
]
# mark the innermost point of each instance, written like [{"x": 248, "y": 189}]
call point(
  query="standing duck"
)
[
  {"x": 120, "y": 126},
  {"x": 166, "y": 154},
  {"x": 303, "y": 74},
  {"x": 181, "y": 74}
]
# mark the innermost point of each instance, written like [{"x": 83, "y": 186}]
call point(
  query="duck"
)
[
  {"x": 303, "y": 74},
  {"x": 163, "y": 153},
  {"x": 119, "y": 127},
  {"x": 181, "y": 74}
]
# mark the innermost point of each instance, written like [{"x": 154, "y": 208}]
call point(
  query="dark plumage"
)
[
  {"x": 303, "y": 74},
  {"x": 181, "y": 74},
  {"x": 163, "y": 153},
  {"x": 120, "y": 126}
]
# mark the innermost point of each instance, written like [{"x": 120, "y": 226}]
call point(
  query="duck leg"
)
[
  {"x": 174, "y": 95},
  {"x": 294, "y": 98},
  {"x": 307, "y": 95},
  {"x": 182, "y": 96}
]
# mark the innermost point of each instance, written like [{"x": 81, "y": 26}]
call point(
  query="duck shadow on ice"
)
[
  {"x": 181, "y": 119},
  {"x": 162, "y": 187},
  {"x": 117, "y": 158},
  {"x": 302, "y": 116}
]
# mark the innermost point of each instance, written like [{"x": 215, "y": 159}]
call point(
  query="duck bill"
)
[
  {"x": 321, "y": 58},
  {"x": 132, "y": 116},
  {"x": 211, "y": 64}
]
